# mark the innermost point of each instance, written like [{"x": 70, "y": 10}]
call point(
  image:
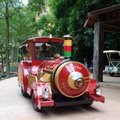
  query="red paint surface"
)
[
  {"x": 63, "y": 79},
  {"x": 51, "y": 66},
  {"x": 67, "y": 48}
]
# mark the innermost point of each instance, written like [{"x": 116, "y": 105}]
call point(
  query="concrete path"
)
[
  {"x": 111, "y": 82},
  {"x": 13, "y": 106}
]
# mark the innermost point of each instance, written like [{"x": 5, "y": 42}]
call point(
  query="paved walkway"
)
[
  {"x": 16, "y": 107},
  {"x": 110, "y": 82}
]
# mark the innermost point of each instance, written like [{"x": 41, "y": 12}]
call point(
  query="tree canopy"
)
[
  {"x": 19, "y": 22},
  {"x": 69, "y": 18}
]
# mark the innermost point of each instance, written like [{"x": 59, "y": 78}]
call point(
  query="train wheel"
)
[
  {"x": 89, "y": 104},
  {"x": 111, "y": 74},
  {"x": 35, "y": 102},
  {"x": 24, "y": 93}
]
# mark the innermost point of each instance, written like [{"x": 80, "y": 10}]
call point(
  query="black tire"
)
[
  {"x": 111, "y": 74},
  {"x": 34, "y": 101},
  {"x": 89, "y": 104},
  {"x": 24, "y": 93}
]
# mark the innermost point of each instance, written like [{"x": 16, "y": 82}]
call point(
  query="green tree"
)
[
  {"x": 70, "y": 16},
  {"x": 6, "y": 13},
  {"x": 17, "y": 23}
]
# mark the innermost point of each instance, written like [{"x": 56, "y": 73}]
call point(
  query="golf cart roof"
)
[{"x": 111, "y": 51}]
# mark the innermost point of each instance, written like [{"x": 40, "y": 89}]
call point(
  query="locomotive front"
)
[
  {"x": 70, "y": 78},
  {"x": 56, "y": 81}
]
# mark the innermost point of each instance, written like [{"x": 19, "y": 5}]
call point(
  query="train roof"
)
[
  {"x": 42, "y": 39},
  {"x": 111, "y": 51}
]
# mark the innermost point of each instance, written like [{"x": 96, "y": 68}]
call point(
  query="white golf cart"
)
[{"x": 113, "y": 57}]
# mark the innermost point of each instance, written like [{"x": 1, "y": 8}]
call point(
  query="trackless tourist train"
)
[{"x": 47, "y": 74}]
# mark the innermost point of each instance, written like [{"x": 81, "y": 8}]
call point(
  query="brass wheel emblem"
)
[{"x": 78, "y": 83}]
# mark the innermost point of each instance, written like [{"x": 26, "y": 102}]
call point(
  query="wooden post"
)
[{"x": 98, "y": 52}]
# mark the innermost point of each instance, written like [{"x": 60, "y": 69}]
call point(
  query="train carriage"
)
[{"x": 47, "y": 74}]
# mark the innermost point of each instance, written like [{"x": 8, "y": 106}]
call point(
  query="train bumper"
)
[
  {"x": 72, "y": 103},
  {"x": 47, "y": 103},
  {"x": 97, "y": 98}
]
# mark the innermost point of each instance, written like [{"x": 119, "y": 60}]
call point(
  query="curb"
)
[
  {"x": 108, "y": 85},
  {"x": 7, "y": 77}
]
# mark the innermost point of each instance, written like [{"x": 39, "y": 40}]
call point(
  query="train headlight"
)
[
  {"x": 98, "y": 91},
  {"x": 45, "y": 93}
]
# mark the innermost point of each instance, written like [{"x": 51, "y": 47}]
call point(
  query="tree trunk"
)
[
  {"x": 7, "y": 39},
  {"x": 2, "y": 61}
]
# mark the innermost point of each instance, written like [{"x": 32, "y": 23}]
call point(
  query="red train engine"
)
[{"x": 53, "y": 80}]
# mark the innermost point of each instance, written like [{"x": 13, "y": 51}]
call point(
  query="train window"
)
[
  {"x": 24, "y": 52},
  {"x": 47, "y": 50}
]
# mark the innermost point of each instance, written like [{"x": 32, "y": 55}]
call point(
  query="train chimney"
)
[{"x": 67, "y": 46}]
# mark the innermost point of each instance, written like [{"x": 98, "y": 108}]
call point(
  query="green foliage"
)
[
  {"x": 112, "y": 41},
  {"x": 70, "y": 17},
  {"x": 37, "y": 5},
  {"x": 23, "y": 24},
  {"x": 17, "y": 23},
  {"x": 61, "y": 7},
  {"x": 45, "y": 24},
  {"x": 56, "y": 17}
]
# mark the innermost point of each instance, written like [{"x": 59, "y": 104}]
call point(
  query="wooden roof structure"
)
[
  {"x": 102, "y": 20},
  {"x": 109, "y": 16}
]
